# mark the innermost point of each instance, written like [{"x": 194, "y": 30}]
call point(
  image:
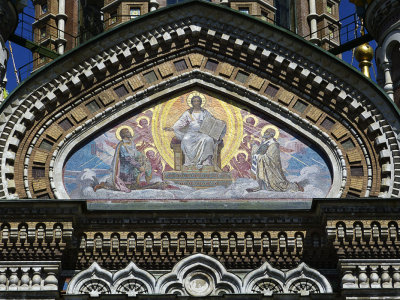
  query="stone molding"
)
[
  {"x": 364, "y": 238},
  {"x": 29, "y": 276},
  {"x": 38, "y": 240},
  {"x": 370, "y": 273},
  {"x": 268, "y": 46},
  {"x": 199, "y": 275}
]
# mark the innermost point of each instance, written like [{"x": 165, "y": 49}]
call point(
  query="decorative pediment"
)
[
  {"x": 199, "y": 275},
  {"x": 259, "y": 66}
]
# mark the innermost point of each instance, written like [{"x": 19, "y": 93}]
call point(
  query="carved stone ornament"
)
[
  {"x": 95, "y": 281},
  {"x": 199, "y": 275}
]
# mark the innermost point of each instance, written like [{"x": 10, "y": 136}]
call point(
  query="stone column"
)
[
  {"x": 313, "y": 21},
  {"x": 388, "y": 84},
  {"x": 153, "y": 5},
  {"x": 61, "y": 17},
  {"x": 382, "y": 19}
]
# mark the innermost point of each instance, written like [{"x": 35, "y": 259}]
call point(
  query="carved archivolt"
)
[
  {"x": 127, "y": 54},
  {"x": 199, "y": 275}
]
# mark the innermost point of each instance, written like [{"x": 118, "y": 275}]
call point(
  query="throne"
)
[
  {"x": 206, "y": 177},
  {"x": 179, "y": 158}
]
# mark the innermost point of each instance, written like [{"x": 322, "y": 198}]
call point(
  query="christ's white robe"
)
[{"x": 197, "y": 147}]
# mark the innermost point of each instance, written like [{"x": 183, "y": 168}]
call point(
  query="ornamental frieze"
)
[{"x": 199, "y": 275}]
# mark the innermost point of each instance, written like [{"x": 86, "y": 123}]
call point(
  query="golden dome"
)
[{"x": 364, "y": 52}]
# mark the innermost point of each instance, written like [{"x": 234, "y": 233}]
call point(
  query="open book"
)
[{"x": 213, "y": 127}]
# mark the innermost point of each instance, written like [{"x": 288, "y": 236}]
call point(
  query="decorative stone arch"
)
[
  {"x": 93, "y": 281},
  {"x": 267, "y": 54},
  {"x": 385, "y": 62},
  {"x": 133, "y": 280},
  {"x": 199, "y": 275},
  {"x": 305, "y": 280},
  {"x": 301, "y": 280},
  {"x": 265, "y": 280}
]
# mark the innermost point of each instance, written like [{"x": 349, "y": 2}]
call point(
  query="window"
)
[
  {"x": 43, "y": 8},
  {"x": 331, "y": 33},
  {"x": 285, "y": 14},
  {"x": 329, "y": 8},
  {"x": 264, "y": 15},
  {"x": 42, "y": 32},
  {"x": 41, "y": 59},
  {"x": 113, "y": 17},
  {"x": 134, "y": 12},
  {"x": 244, "y": 10}
]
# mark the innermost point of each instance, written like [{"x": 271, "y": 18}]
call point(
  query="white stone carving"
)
[
  {"x": 133, "y": 280},
  {"x": 96, "y": 280},
  {"x": 29, "y": 276},
  {"x": 199, "y": 275},
  {"x": 370, "y": 273},
  {"x": 93, "y": 281},
  {"x": 301, "y": 280}
]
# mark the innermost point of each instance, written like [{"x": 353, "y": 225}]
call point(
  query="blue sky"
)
[{"x": 23, "y": 56}]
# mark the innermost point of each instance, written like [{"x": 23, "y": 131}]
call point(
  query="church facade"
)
[{"x": 197, "y": 151}]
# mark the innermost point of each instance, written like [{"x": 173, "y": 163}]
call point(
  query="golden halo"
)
[
  {"x": 244, "y": 152},
  {"x": 273, "y": 127},
  {"x": 253, "y": 117},
  {"x": 141, "y": 118},
  {"x": 147, "y": 149},
  {"x": 117, "y": 133},
  {"x": 191, "y": 95}
]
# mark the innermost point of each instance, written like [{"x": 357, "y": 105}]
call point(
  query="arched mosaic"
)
[{"x": 212, "y": 149}]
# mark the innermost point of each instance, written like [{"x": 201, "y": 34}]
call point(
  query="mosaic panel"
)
[{"x": 197, "y": 146}]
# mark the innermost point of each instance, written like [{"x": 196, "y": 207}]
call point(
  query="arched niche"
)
[{"x": 84, "y": 165}]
